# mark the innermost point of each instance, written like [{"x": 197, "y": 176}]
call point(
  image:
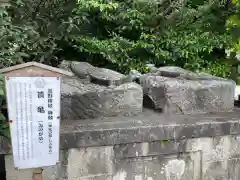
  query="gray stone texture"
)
[
  {"x": 209, "y": 158},
  {"x": 175, "y": 90},
  {"x": 101, "y": 76},
  {"x": 90, "y": 162},
  {"x": 147, "y": 126},
  {"x": 190, "y": 159},
  {"x": 152, "y": 68},
  {"x": 66, "y": 65},
  {"x": 81, "y": 69},
  {"x": 167, "y": 89},
  {"x": 100, "y": 177},
  {"x": 82, "y": 100},
  {"x": 172, "y": 167},
  {"x": 97, "y": 92},
  {"x": 105, "y": 77}
]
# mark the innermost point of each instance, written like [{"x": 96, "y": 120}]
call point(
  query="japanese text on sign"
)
[{"x": 50, "y": 118}]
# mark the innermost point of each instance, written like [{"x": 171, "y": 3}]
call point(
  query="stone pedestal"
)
[{"x": 202, "y": 147}]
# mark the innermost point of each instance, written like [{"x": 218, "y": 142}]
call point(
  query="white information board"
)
[{"x": 34, "y": 114}]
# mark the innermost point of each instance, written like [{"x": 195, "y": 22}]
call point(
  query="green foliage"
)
[
  {"x": 219, "y": 69},
  {"x": 30, "y": 31},
  {"x": 233, "y": 25},
  {"x": 129, "y": 34},
  {"x": 12, "y": 38},
  {"x": 164, "y": 142},
  {"x": 4, "y": 126},
  {"x": 122, "y": 35}
]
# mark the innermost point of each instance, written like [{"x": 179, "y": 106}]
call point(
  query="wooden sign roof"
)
[{"x": 34, "y": 68}]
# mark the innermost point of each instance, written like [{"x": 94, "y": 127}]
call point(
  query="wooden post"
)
[{"x": 37, "y": 174}]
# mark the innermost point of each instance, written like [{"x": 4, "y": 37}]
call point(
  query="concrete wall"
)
[{"x": 191, "y": 159}]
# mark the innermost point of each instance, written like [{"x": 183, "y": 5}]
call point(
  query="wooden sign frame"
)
[{"x": 33, "y": 69}]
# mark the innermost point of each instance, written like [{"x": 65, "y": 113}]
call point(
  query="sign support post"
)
[{"x": 37, "y": 174}]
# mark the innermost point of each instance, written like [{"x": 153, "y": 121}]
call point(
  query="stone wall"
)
[
  {"x": 192, "y": 159},
  {"x": 168, "y": 124},
  {"x": 144, "y": 147}
]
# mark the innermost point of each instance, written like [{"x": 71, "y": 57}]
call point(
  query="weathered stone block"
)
[
  {"x": 81, "y": 69},
  {"x": 216, "y": 170},
  {"x": 105, "y": 77},
  {"x": 101, "y": 76},
  {"x": 181, "y": 167},
  {"x": 86, "y": 100},
  {"x": 92, "y": 161},
  {"x": 224, "y": 170},
  {"x": 215, "y": 149},
  {"x": 154, "y": 148},
  {"x": 175, "y": 90},
  {"x": 66, "y": 65},
  {"x": 101, "y": 177}
]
